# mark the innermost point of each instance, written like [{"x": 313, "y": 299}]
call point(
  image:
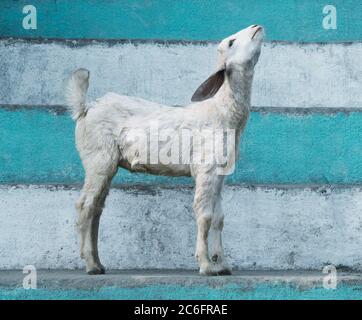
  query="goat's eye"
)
[{"x": 231, "y": 42}]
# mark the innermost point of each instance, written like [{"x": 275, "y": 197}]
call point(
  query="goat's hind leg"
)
[{"x": 90, "y": 207}]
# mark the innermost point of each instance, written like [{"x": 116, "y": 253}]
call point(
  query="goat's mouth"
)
[{"x": 258, "y": 28}]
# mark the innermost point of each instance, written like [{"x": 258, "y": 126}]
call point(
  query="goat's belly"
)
[{"x": 172, "y": 170}]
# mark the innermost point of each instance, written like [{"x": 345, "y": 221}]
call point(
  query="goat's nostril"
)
[{"x": 254, "y": 25}]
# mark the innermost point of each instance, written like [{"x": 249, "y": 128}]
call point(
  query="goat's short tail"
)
[{"x": 76, "y": 91}]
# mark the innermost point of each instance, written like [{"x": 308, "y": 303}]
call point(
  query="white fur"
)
[
  {"x": 75, "y": 93},
  {"x": 105, "y": 142}
]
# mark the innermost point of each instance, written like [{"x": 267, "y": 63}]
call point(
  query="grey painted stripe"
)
[
  {"x": 79, "y": 42},
  {"x": 264, "y": 228},
  {"x": 62, "y": 109},
  {"x": 56, "y": 109},
  {"x": 323, "y": 189},
  {"x": 288, "y": 74}
]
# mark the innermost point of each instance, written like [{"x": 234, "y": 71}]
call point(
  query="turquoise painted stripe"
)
[
  {"x": 177, "y": 292},
  {"x": 37, "y": 146},
  {"x": 292, "y": 20}
]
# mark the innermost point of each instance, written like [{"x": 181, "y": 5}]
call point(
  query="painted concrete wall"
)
[
  {"x": 154, "y": 228},
  {"x": 305, "y": 130},
  {"x": 287, "y": 75},
  {"x": 37, "y": 146},
  {"x": 291, "y": 20}
]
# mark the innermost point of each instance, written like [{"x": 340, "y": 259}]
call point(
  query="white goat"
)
[{"x": 105, "y": 142}]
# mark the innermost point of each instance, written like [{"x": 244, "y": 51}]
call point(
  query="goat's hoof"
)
[
  {"x": 225, "y": 272},
  {"x": 208, "y": 271},
  {"x": 224, "y": 269},
  {"x": 96, "y": 270},
  {"x": 215, "y": 270}
]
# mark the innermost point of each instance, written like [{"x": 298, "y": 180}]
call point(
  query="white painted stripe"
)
[
  {"x": 264, "y": 228},
  {"x": 288, "y": 75}
]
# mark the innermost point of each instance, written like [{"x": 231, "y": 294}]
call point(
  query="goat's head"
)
[
  {"x": 238, "y": 51},
  {"x": 241, "y": 49}
]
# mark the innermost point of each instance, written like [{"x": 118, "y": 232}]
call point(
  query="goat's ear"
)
[{"x": 209, "y": 87}]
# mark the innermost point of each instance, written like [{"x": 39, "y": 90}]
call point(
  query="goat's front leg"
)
[
  {"x": 216, "y": 247},
  {"x": 201, "y": 254},
  {"x": 207, "y": 190}
]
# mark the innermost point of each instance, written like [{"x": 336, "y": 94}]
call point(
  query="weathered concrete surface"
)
[
  {"x": 265, "y": 228},
  {"x": 288, "y": 75},
  {"x": 165, "y": 284}
]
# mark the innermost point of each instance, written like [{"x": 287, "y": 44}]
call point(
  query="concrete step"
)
[
  {"x": 295, "y": 75},
  {"x": 275, "y": 228},
  {"x": 181, "y": 284}
]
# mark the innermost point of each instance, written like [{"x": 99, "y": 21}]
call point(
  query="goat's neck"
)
[{"x": 238, "y": 83}]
